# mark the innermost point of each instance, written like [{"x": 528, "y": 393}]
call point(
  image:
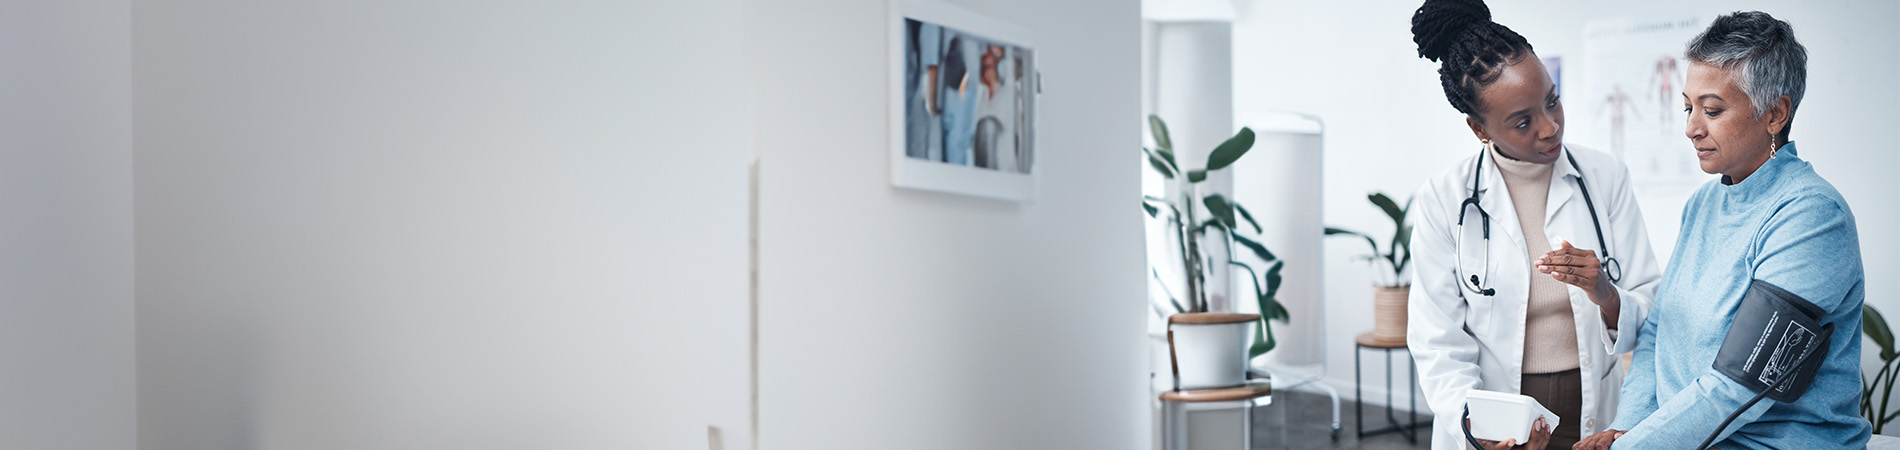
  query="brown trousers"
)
[{"x": 1562, "y": 393}]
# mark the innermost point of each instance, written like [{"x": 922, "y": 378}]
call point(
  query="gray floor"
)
[{"x": 1302, "y": 420}]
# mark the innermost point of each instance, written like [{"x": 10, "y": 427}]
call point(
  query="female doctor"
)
[{"x": 1534, "y": 271}]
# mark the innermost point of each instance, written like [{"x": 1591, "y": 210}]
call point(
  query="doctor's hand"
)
[
  {"x": 1599, "y": 441},
  {"x": 1540, "y": 437},
  {"x": 1581, "y": 268}
]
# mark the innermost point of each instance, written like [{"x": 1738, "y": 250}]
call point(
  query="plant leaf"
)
[
  {"x": 1264, "y": 341},
  {"x": 1273, "y": 280},
  {"x": 1262, "y": 346},
  {"x": 1165, "y": 156},
  {"x": 1258, "y": 250},
  {"x": 1369, "y": 242},
  {"x": 1275, "y": 311},
  {"x": 1405, "y": 213},
  {"x": 1231, "y": 150},
  {"x": 1405, "y": 243},
  {"x": 1152, "y": 210},
  {"x": 1160, "y": 205},
  {"x": 1159, "y": 165},
  {"x": 1196, "y": 176},
  {"x": 1249, "y": 216},
  {"x": 1221, "y": 209},
  {"x": 1405, "y": 239},
  {"x": 1162, "y": 140},
  {"x": 1270, "y": 308},
  {"x": 1205, "y": 224},
  {"x": 1391, "y": 208},
  {"x": 1875, "y": 327}
]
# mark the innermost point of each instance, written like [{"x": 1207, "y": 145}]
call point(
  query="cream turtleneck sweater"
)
[{"x": 1550, "y": 331}]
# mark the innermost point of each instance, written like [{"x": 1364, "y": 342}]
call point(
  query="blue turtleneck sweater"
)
[{"x": 1784, "y": 225}]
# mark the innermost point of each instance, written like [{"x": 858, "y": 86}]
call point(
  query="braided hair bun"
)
[
  {"x": 1439, "y": 23},
  {"x": 1471, "y": 49}
]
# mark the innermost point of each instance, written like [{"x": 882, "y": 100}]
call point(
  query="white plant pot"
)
[{"x": 1210, "y": 349}]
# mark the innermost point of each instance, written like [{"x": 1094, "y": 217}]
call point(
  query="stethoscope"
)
[{"x": 1478, "y": 285}]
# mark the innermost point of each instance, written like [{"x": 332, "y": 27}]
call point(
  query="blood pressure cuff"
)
[{"x": 1771, "y": 333}]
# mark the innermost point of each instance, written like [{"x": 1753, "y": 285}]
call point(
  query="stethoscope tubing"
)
[{"x": 1610, "y": 266}]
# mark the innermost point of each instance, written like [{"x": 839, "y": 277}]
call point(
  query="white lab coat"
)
[{"x": 1463, "y": 341}]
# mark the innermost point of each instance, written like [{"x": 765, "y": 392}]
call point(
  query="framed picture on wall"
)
[{"x": 963, "y": 102}]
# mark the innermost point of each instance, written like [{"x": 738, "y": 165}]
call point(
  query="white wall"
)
[
  {"x": 66, "y": 373},
  {"x": 904, "y": 319},
  {"x": 438, "y": 224},
  {"x": 1389, "y": 126}
]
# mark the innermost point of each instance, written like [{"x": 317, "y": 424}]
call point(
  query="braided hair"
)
[{"x": 1471, "y": 49}]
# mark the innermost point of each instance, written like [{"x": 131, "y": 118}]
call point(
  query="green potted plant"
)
[
  {"x": 1210, "y": 349},
  {"x": 1389, "y": 294},
  {"x": 1875, "y": 327}
]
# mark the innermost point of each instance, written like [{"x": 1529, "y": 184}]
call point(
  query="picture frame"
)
[{"x": 964, "y": 91}]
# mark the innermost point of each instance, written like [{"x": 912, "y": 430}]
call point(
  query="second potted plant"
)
[{"x": 1389, "y": 295}]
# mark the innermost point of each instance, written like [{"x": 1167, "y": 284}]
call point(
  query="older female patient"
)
[{"x": 1768, "y": 218}]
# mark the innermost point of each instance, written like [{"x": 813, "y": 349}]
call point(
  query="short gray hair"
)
[{"x": 1770, "y": 62}]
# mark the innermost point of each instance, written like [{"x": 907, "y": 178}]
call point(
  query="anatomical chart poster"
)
[{"x": 1628, "y": 100}]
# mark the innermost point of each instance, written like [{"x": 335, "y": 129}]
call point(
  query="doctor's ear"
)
[{"x": 1477, "y": 129}]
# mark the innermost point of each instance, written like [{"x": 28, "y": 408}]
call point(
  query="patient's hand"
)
[
  {"x": 1581, "y": 268},
  {"x": 1599, "y": 441}
]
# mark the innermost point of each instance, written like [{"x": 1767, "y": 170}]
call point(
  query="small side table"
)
[
  {"x": 1176, "y": 404},
  {"x": 1367, "y": 341}
]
